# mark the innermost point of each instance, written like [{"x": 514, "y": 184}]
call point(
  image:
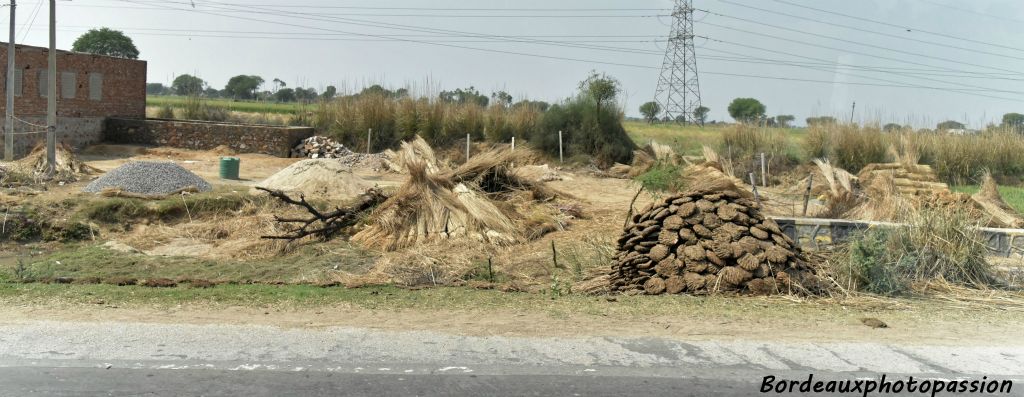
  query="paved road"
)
[{"x": 133, "y": 359}]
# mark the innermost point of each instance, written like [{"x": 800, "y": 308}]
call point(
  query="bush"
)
[
  {"x": 938, "y": 244},
  {"x": 662, "y": 177},
  {"x": 584, "y": 131},
  {"x": 165, "y": 112}
]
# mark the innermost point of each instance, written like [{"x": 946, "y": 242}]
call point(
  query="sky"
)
[{"x": 948, "y": 59}]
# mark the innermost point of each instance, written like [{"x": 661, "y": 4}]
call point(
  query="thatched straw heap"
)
[
  {"x": 644, "y": 159},
  {"x": 909, "y": 179},
  {"x": 989, "y": 199},
  {"x": 451, "y": 204},
  {"x": 67, "y": 166},
  {"x": 711, "y": 238}
]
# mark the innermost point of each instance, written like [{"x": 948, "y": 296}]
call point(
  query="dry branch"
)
[{"x": 320, "y": 224}]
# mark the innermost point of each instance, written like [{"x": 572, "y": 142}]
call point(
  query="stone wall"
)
[
  {"x": 201, "y": 135},
  {"x": 817, "y": 234},
  {"x": 77, "y": 132}
]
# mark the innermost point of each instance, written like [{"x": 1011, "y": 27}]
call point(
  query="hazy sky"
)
[{"x": 353, "y": 43}]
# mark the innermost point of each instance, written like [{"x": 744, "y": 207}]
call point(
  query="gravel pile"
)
[
  {"x": 708, "y": 241},
  {"x": 149, "y": 178}
]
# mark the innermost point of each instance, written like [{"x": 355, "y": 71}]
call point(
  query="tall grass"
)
[
  {"x": 743, "y": 144},
  {"x": 846, "y": 146},
  {"x": 939, "y": 244},
  {"x": 956, "y": 159},
  {"x": 349, "y": 118}
]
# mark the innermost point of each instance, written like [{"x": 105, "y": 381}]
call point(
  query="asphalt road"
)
[{"x": 42, "y": 358}]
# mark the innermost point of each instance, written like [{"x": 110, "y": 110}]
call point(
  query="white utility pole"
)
[
  {"x": 9, "y": 117},
  {"x": 51, "y": 94}
]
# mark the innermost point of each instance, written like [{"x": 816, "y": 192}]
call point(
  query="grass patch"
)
[
  {"x": 684, "y": 139},
  {"x": 1013, "y": 195},
  {"x": 308, "y": 264},
  {"x": 662, "y": 177},
  {"x": 118, "y": 210}
]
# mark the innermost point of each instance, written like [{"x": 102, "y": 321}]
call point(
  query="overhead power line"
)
[
  {"x": 572, "y": 59},
  {"x": 903, "y": 27},
  {"x": 319, "y": 6},
  {"x": 970, "y": 11},
  {"x": 945, "y": 45},
  {"x": 421, "y": 14},
  {"x": 868, "y": 55},
  {"x": 854, "y": 42}
]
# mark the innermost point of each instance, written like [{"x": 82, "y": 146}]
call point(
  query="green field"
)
[
  {"x": 687, "y": 139},
  {"x": 232, "y": 105},
  {"x": 1014, "y": 196}
]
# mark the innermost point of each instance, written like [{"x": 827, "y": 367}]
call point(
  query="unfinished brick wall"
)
[{"x": 102, "y": 86}]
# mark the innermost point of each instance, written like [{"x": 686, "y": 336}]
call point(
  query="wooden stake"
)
[
  {"x": 554, "y": 254},
  {"x": 753, "y": 184},
  {"x": 807, "y": 194}
]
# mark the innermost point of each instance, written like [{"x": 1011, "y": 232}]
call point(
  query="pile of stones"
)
[
  {"x": 705, "y": 242},
  {"x": 149, "y": 178},
  {"x": 320, "y": 147}
]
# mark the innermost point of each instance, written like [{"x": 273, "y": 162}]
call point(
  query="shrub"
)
[
  {"x": 584, "y": 131},
  {"x": 662, "y": 177},
  {"x": 165, "y": 112},
  {"x": 938, "y": 244}
]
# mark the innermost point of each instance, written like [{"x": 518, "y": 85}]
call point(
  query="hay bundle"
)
[
  {"x": 491, "y": 172},
  {"x": 840, "y": 196},
  {"x": 429, "y": 207},
  {"x": 415, "y": 151},
  {"x": 67, "y": 166},
  {"x": 989, "y": 199},
  {"x": 712, "y": 238}
]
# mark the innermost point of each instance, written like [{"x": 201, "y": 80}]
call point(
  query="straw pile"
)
[
  {"x": 458, "y": 203},
  {"x": 644, "y": 159},
  {"x": 989, "y": 199},
  {"x": 67, "y": 166},
  {"x": 909, "y": 179},
  {"x": 711, "y": 238}
]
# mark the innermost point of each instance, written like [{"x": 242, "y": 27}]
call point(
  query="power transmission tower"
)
[{"x": 678, "y": 90}]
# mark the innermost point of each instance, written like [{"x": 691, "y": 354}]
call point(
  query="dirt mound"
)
[
  {"x": 709, "y": 240},
  {"x": 68, "y": 166},
  {"x": 318, "y": 179}
]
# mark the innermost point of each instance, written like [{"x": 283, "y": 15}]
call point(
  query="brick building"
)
[{"x": 90, "y": 88}]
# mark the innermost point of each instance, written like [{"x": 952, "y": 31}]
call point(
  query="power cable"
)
[{"x": 903, "y": 27}]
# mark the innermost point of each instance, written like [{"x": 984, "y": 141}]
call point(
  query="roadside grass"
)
[
  {"x": 1013, "y": 195},
  {"x": 232, "y": 105},
  {"x": 92, "y": 263},
  {"x": 463, "y": 299}
]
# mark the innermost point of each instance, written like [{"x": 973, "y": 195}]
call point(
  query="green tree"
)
[
  {"x": 650, "y": 110},
  {"x": 106, "y": 41},
  {"x": 950, "y": 125},
  {"x": 461, "y": 96},
  {"x": 823, "y": 120},
  {"x": 784, "y": 120},
  {"x": 701, "y": 114},
  {"x": 243, "y": 86},
  {"x": 305, "y": 94},
  {"x": 285, "y": 95},
  {"x": 501, "y": 98},
  {"x": 892, "y": 127},
  {"x": 187, "y": 84},
  {"x": 1014, "y": 121},
  {"x": 155, "y": 89},
  {"x": 600, "y": 88},
  {"x": 746, "y": 110},
  {"x": 329, "y": 92}
]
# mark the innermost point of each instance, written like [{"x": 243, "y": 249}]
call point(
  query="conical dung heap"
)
[{"x": 706, "y": 241}]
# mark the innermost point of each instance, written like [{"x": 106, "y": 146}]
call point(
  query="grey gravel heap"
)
[
  {"x": 705, "y": 242},
  {"x": 149, "y": 178}
]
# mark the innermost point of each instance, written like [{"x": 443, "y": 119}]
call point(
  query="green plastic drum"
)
[{"x": 229, "y": 167}]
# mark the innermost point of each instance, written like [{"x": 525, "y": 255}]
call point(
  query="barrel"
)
[{"x": 229, "y": 167}]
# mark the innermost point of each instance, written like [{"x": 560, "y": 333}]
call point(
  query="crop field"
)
[{"x": 231, "y": 105}]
